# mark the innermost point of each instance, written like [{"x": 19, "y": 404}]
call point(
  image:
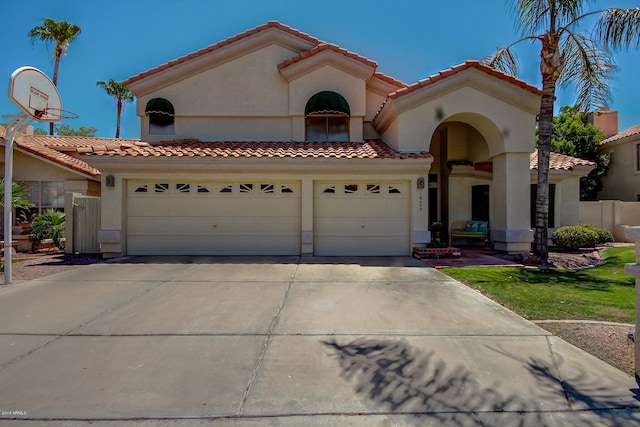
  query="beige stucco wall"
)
[
  {"x": 500, "y": 122},
  {"x": 622, "y": 182},
  {"x": 248, "y": 86},
  {"x": 612, "y": 215},
  {"x": 247, "y": 99}
]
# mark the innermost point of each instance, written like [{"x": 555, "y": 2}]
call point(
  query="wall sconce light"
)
[
  {"x": 110, "y": 181},
  {"x": 420, "y": 183}
]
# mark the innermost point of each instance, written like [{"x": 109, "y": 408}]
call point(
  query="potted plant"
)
[{"x": 437, "y": 228}]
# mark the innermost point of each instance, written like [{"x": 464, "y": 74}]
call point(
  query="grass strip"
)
[{"x": 603, "y": 293}]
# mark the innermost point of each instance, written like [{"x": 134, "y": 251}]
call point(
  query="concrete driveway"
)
[{"x": 230, "y": 341}]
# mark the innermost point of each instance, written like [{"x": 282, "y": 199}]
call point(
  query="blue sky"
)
[{"x": 410, "y": 40}]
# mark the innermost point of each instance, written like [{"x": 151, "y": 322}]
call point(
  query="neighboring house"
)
[
  {"x": 275, "y": 142},
  {"x": 622, "y": 181},
  {"x": 44, "y": 164}
]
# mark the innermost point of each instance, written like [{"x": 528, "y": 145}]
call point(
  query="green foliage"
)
[
  {"x": 50, "y": 224},
  {"x": 66, "y": 130},
  {"x": 573, "y": 135},
  {"x": 604, "y": 236},
  {"x": 580, "y": 236},
  {"x": 19, "y": 195},
  {"x": 601, "y": 293}
]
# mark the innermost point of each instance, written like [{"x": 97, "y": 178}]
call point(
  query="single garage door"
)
[
  {"x": 361, "y": 218},
  {"x": 220, "y": 218}
]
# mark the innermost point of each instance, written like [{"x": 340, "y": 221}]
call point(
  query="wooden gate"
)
[{"x": 86, "y": 223}]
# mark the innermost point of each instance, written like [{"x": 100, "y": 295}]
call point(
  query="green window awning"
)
[
  {"x": 159, "y": 106},
  {"x": 327, "y": 102}
]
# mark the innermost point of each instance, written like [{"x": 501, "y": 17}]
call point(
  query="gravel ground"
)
[{"x": 606, "y": 341}]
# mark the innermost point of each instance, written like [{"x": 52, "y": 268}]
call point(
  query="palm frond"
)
[
  {"x": 619, "y": 28},
  {"x": 502, "y": 60},
  {"x": 590, "y": 67},
  {"x": 535, "y": 17}
]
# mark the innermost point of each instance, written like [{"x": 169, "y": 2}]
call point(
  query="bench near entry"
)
[{"x": 469, "y": 230}]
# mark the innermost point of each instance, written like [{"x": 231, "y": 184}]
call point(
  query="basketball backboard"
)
[{"x": 35, "y": 94}]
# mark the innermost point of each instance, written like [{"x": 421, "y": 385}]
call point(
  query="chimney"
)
[{"x": 606, "y": 121}]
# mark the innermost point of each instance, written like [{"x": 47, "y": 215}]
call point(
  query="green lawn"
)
[{"x": 600, "y": 293}]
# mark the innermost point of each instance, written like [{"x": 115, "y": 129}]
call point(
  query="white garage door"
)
[
  {"x": 222, "y": 218},
  {"x": 361, "y": 218}
]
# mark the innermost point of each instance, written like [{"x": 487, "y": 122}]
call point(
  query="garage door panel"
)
[
  {"x": 228, "y": 218},
  {"x": 361, "y": 218},
  {"x": 362, "y": 246}
]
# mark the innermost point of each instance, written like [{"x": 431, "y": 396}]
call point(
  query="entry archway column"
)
[{"x": 510, "y": 226}]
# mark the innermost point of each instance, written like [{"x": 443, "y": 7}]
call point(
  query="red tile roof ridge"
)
[
  {"x": 634, "y": 130},
  {"x": 321, "y": 47},
  {"x": 389, "y": 79},
  {"x": 218, "y": 45},
  {"x": 469, "y": 63}
]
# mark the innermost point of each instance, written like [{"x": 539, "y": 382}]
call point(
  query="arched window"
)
[
  {"x": 161, "y": 116},
  {"x": 327, "y": 118}
]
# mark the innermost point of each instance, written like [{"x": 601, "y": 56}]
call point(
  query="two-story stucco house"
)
[{"x": 275, "y": 142}]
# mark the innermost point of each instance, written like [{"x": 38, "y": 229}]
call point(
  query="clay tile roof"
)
[
  {"x": 324, "y": 47},
  {"x": 370, "y": 149},
  {"x": 559, "y": 161},
  {"x": 218, "y": 45},
  {"x": 55, "y": 156},
  {"x": 389, "y": 79},
  {"x": 470, "y": 63},
  {"x": 61, "y": 149},
  {"x": 632, "y": 131}
]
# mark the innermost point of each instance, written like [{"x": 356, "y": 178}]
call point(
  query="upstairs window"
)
[
  {"x": 327, "y": 118},
  {"x": 161, "y": 116}
]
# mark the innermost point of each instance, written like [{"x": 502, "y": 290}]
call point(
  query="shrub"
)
[
  {"x": 49, "y": 224},
  {"x": 580, "y": 236},
  {"x": 604, "y": 236}
]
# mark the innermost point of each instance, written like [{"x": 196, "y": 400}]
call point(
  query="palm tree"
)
[
  {"x": 567, "y": 55},
  {"x": 60, "y": 32},
  {"x": 121, "y": 93},
  {"x": 19, "y": 195}
]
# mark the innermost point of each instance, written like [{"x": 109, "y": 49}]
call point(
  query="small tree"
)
[
  {"x": 50, "y": 224},
  {"x": 66, "y": 130},
  {"x": 574, "y": 136}
]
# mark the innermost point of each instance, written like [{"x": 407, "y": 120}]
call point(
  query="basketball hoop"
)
[
  {"x": 57, "y": 114},
  {"x": 35, "y": 94},
  {"x": 38, "y": 98}
]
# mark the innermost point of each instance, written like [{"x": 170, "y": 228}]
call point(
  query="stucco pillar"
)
[
  {"x": 112, "y": 231},
  {"x": 510, "y": 227},
  {"x": 633, "y": 233},
  {"x": 306, "y": 238},
  {"x": 420, "y": 211}
]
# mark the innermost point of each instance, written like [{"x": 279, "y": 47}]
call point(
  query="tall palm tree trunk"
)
[
  {"x": 118, "y": 118},
  {"x": 56, "y": 66},
  {"x": 541, "y": 245},
  {"x": 551, "y": 65}
]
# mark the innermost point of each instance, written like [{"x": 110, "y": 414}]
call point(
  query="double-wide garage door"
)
[
  {"x": 264, "y": 218},
  {"x": 227, "y": 218}
]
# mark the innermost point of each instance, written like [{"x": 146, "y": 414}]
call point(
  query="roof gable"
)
[
  {"x": 468, "y": 64},
  {"x": 220, "y": 52},
  {"x": 327, "y": 54}
]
